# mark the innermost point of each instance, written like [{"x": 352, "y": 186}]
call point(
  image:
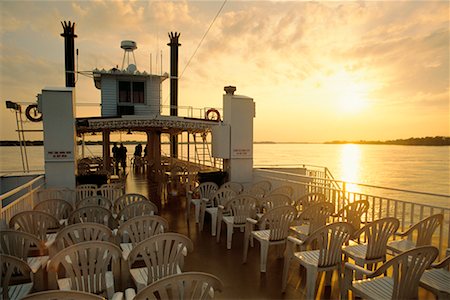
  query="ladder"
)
[{"x": 202, "y": 152}]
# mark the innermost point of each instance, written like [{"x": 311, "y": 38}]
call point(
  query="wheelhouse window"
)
[{"x": 131, "y": 92}]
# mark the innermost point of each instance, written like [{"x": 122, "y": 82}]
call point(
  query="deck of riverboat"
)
[{"x": 241, "y": 281}]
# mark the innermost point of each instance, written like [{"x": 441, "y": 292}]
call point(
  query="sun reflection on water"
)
[{"x": 350, "y": 166}]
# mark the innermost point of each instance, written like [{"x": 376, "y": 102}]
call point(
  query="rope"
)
[{"x": 204, "y": 36}]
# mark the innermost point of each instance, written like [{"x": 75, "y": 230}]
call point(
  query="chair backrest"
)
[
  {"x": 19, "y": 243},
  {"x": 95, "y": 201},
  {"x": 263, "y": 184},
  {"x": 188, "y": 285},
  {"x": 425, "y": 229},
  {"x": 82, "y": 232},
  {"x": 309, "y": 199},
  {"x": 127, "y": 199},
  {"x": 11, "y": 268},
  {"x": 235, "y": 186},
  {"x": 286, "y": 190},
  {"x": 278, "y": 220},
  {"x": 255, "y": 191},
  {"x": 329, "y": 240},
  {"x": 86, "y": 264},
  {"x": 162, "y": 254},
  {"x": 35, "y": 222},
  {"x": 141, "y": 208},
  {"x": 377, "y": 234},
  {"x": 143, "y": 227},
  {"x": 85, "y": 190},
  {"x": 316, "y": 215},
  {"x": 206, "y": 189},
  {"x": 49, "y": 193},
  {"x": 408, "y": 268},
  {"x": 242, "y": 207},
  {"x": 95, "y": 214},
  {"x": 273, "y": 200},
  {"x": 112, "y": 192},
  {"x": 353, "y": 212},
  {"x": 221, "y": 196},
  {"x": 62, "y": 295},
  {"x": 59, "y": 208}
]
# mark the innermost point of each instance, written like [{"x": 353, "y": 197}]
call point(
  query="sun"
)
[{"x": 348, "y": 93}]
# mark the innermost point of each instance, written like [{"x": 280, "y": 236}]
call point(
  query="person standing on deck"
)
[
  {"x": 123, "y": 156},
  {"x": 115, "y": 152}
]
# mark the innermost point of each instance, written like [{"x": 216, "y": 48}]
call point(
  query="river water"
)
[{"x": 417, "y": 168}]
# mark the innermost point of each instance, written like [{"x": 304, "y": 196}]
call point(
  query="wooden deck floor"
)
[{"x": 241, "y": 281}]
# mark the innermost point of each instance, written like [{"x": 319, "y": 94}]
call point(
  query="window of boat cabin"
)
[{"x": 131, "y": 91}]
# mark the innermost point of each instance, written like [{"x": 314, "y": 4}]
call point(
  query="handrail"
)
[
  {"x": 363, "y": 184},
  {"x": 19, "y": 188}
]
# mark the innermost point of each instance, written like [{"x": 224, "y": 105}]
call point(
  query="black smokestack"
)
[
  {"x": 69, "y": 48},
  {"x": 174, "y": 85},
  {"x": 174, "y": 72}
]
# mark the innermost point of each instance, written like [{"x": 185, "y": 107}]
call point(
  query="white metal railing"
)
[
  {"x": 408, "y": 212},
  {"x": 23, "y": 198},
  {"x": 188, "y": 111}
]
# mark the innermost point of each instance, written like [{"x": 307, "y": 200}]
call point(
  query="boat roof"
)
[{"x": 163, "y": 124}]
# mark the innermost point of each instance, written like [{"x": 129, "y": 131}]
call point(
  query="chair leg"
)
[
  {"x": 246, "y": 242},
  {"x": 213, "y": 224},
  {"x": 197, "y": 212},
  {"x": 229, "y": 234},
  {"x": 311, "y": 277},
  {"x": 202, "y": 219},
  {"x": 219, "y": 229},
  {"x": 286, "y": 265},
  {"x": 264, "y": 252}
]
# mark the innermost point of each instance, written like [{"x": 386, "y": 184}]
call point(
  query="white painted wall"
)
[
  {"x": 58, "y": 112},
  {"x": 238, "y": 113}
]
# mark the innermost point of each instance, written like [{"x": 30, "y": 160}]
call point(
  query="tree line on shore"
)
[{"x": 422, "y": 141}]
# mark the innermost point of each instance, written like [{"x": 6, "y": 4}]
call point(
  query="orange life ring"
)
[
  {"x": 37, "y": 116},
  {"x": 214, "y": 112}
]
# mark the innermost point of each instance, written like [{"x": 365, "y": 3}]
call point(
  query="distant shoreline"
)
[{"x": 424, "y": 141}]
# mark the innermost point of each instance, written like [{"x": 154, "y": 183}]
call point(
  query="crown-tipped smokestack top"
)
[
  {"x": 174, "y": 44},
  {"x": 69, "y": 48}
]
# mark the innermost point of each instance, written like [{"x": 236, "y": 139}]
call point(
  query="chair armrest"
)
[
  {"x": 252, "y": 221},
  {"x": 295, "y": 240},
  {"x": 205, "y": 199},
  {"x": 117, "y": 296},
  {"x": 130, "y": 294},
  {"x": 442, "y": 264},
  {"x": 358, "y": 269},
  {"x": 221, "y": 206}
]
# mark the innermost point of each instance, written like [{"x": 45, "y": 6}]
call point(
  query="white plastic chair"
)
[
  {"x": 141, "y": 208},
  {"x": 424, "y": 228},
  {"x": 240, "y": 208},
  {"x": 353, "y": 212},
  {"x": 62, "y": 295},
  {"x": 36, "y": 222},
  {"x": 189, "y": 285},
  {"x": 325, "y": 256},
  {"x": 437, "y": 279},
  {"x": 286, "y": 190},
  {"x": 96, "y": 200},
  {"x": 29, "y": 248},
  {"x": 273, "y": 228},
  {"x": 87, "y": 267},
  {"x": 58, "y": 208},
  {"x": 408, "y": 268},
  {"x": 14, "y": 268},
  {"x": 95, "y": 214},
  {"x": 377, "y": 234},
  {"x": 127, "y": 199},
  {"x": 162, "y": 254},
  {"x": 137, "y": 229},
  {"x": 309, "y": 199},
  {"x": 204, "y": 190},
  {"x": 211, "y": 206},
  {"x": 235, "y": 186},
  {"x": 85, "y": 190},
  {"x": 312, "y": 218}
]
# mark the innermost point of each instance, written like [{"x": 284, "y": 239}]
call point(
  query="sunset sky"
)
[{"x": 318, "y": 71}]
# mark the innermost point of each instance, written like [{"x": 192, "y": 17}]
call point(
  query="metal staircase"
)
[{"x": 202, "y": 151}]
